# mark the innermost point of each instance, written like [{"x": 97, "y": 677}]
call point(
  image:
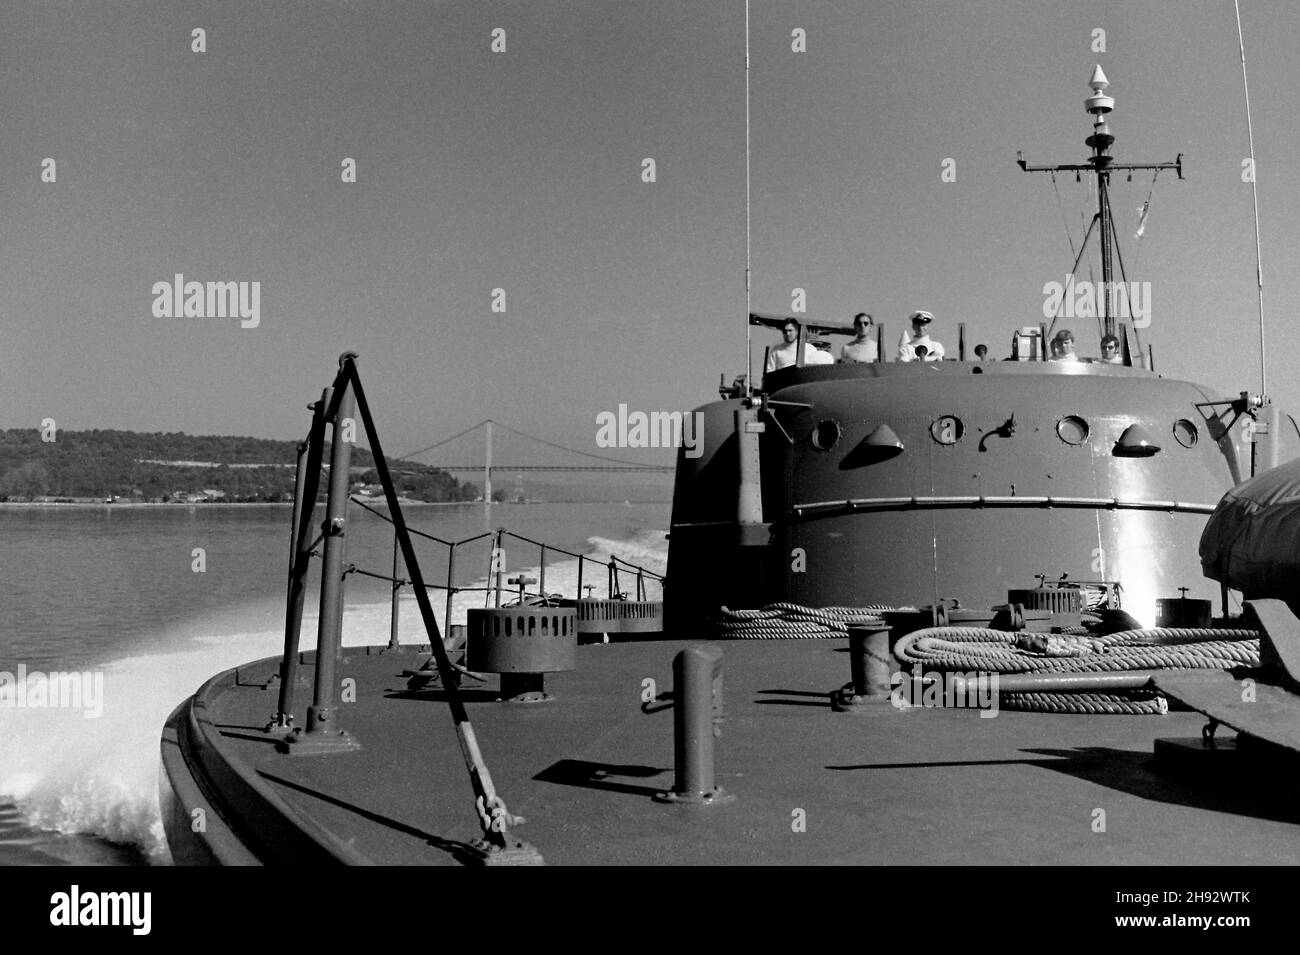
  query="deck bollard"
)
[
  {"x": 871, "y": 665},
  {"x": 697, "y": 705}
]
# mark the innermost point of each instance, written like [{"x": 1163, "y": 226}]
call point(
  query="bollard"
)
[
  {"x": 871, "y": 665},
  {"x": 697, "y": 704}
]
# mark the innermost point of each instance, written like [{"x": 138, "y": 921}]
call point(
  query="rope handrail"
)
[
  {"x": 387, "y": 519},
  {"x": 454, "y": 589},
  {"x": 527, "y": 540},
  {"x": 405, "y": 582},
  {"x": 567, "y": 553},
  {"x": 637, "y": 567}
]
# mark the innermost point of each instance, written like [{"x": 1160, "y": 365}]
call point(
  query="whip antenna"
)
[
  {"x": 1254, "y": 196},
  {"x": 749, "y": 346}
]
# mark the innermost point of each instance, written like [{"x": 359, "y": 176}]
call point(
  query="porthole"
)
[
  {"x": 947, "y": 429},
  {"x": 1186, "y": 433},
  {"x": 826, "y": 434},
  {"x": 1072, "y": 430}
]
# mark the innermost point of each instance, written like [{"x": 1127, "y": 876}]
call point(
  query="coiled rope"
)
[
  {"x": 938, "y": 650},
  {"x": 790, "y": 621},
  {"x": 996, "y": 651},
  {"x": 945, "y": 649}
]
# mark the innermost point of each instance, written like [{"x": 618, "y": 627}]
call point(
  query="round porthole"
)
[
  {"x": 826, "y": 434},
  {"x": 947, "y": 429},
  {"x": 1072, "y": 430},
  {"x": 1186, "y": 433}
]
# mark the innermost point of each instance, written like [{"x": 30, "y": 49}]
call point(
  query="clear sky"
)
[{"x": 522, "y": 170}]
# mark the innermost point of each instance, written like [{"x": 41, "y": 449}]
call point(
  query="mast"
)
[
  {"x": 1100, "y": 164},
  {"x": 1099, "y": 104}
]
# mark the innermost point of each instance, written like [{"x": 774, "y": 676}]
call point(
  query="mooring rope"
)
[
  {"x": 942, "y": 649},
  {"x": 971, "y": 648},
  {"x": 786, "y": 621},
  {"x": 1127, "y": 703},
  {"x": 1087, "y": 648}
]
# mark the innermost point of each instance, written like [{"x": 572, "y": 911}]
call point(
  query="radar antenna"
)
[{"x": 1100, "y": 164}]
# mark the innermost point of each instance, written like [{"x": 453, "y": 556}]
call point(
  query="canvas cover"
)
[{"x": 1252, "y": 540}]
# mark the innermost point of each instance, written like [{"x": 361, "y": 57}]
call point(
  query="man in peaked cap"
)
[{"x": 919, "y": 337}]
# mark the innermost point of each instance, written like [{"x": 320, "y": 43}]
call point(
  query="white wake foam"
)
[{"x": 100, "y": 776}]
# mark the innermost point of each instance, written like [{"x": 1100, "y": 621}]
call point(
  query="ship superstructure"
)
[{"x": 890, "y": 483}]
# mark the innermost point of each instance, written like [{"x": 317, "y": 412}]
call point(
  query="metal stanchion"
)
[
  {"x": 322, "y": 733},
  {"x": 306, "y": 484},
  {"x": 697, "y": 706}
]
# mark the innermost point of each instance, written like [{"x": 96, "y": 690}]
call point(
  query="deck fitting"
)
[
  {"x": 300, "y": 743},
  {"x": 715, "y": 797},
  {"x": 485, "y": 853}
]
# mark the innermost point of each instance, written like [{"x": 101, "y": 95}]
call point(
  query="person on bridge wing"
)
[
  {"x": 1110, "y": 350},
  {"x": 783, "y": 355},
  {"x": 861, "y": 348},
  {"x": 919, "y": 337},
  {"x": 1063, "y": 346}
]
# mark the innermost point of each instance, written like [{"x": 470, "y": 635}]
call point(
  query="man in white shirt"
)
[
  {"x": 1063, "y": 346},
  {"x": 919, "y": 336},
  {"x": 861, "y": 348},
  {"x": 784, "y": 354}
]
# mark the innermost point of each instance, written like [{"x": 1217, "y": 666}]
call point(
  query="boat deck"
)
[{"x": 886, "y": 786}]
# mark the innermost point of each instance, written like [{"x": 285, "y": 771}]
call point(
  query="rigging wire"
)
[
  {"x": 1074, "y": 268},
  {"x": 1142, "y": 221},
  {"x": 1090, "y": 202},
  {"x": 1254, "y": 198},
  {"x": 1119, "y": 257},
  {"x": 1061, "y": 208},
  {"x": 749, "y": 344}
]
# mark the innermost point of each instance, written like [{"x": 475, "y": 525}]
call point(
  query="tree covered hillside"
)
[{"x": 131, "y": 465}]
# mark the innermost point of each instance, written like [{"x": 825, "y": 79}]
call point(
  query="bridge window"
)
[
  {"x": 826, "y": 434},
  {"x": 947, "y": 429},
  {"x": 1073, "y": 430},
  {"x": 1186, "y": 433}
]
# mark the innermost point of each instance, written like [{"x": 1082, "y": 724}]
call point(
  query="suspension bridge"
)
[{"x": 452, "y": 454}]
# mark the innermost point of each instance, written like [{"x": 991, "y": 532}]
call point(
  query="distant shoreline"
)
[
  {"x": 136, "y": 505},
  {"x": 132, "y": 505}
]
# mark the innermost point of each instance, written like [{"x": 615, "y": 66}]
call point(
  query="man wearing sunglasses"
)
[
  {"x": 1110, "y": 350},
  {"x": 862, "y": 348}
]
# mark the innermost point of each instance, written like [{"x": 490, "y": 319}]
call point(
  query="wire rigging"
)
[{"x": 1254, "y": 197}]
